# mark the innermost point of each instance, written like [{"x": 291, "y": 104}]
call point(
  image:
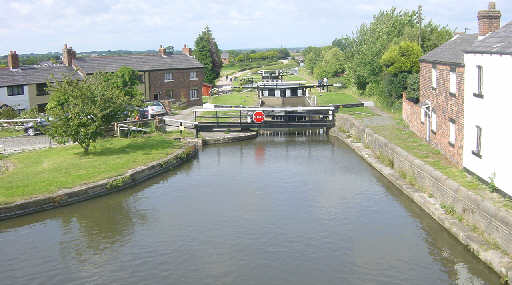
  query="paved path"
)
[
  {"x": 23, "y": 143},
  {"x": 223, "y": 83}
]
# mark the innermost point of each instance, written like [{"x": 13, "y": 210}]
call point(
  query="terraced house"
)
[
  {"x": 164, "y": 77},
  {"x": 439, "y": 115}
]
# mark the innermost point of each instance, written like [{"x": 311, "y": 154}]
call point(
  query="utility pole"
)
[{"x": 420, "y": 22}]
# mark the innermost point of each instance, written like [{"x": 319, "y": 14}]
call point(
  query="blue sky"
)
[{"x": 45, "y": 25}]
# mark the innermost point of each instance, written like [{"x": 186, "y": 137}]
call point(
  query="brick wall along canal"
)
[{"x": 276, "y": 210}]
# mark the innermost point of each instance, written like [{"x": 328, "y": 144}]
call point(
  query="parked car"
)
[
  {"x": 35, "y": 127},
  {"x": 155, "y": 108}
]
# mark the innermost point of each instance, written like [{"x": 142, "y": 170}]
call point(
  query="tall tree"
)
[
  {"x": 208, "y": 54},
  {"x": 82, "y": 109}
]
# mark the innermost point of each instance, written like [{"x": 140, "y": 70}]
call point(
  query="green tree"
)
[
  {"x": 169, "y": 49},
  {"x": 403, "y": 57},
  {"x": 207, "y": 52},
  {"x": 82, "y": 109}
]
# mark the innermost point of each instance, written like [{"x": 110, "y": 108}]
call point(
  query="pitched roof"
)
[
  {"x": 224, "y": 55},
  {"x": 138, "y": 62},
  {"x": 35, "y": 74},
  {"x": 451, "y": 52},
  {"x": 499, "y": 42}
]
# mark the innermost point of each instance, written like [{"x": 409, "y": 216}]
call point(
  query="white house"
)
[{"x": 487, "y": 106}]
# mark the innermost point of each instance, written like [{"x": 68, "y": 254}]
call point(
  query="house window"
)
[
  {"x": 41, "y": 89},
  {"x": 15, "y": 90},
  {"x": 168, "y": 93},
  {"x": 480, "y": 82},
  {"x": 452, "y": 132},
  {"x": 434, "y": 77},
  {"x": 194, "y": 94},
  {"x": 140, "y": 77},
  {"x": 168, "y": 76},
  {"x": 193, "y": 75},
  {"x": 478, "y": 148},
  {"x": 433, "y": 126},
  {"x": 156, "y": 96},
  {"x": 453, "y": 81}
]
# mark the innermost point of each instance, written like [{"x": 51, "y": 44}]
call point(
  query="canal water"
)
[{"x": 276, "y": 210}]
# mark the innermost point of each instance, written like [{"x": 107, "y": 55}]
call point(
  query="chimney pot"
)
[
  {"x": 12, "y": 60},
  {"x": 489, "y": 20},
  {"x": 68, "y": 55},
  {"x": 161, "y": 51}
]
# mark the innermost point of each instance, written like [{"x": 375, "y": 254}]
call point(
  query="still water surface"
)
[{"x": 277, "y": 210}]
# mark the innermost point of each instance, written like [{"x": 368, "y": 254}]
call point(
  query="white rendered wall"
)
[
  {"x": 17, "y": 102},
  {"x": 493, "y": 114}
]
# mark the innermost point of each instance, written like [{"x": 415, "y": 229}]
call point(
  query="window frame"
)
[
  {"x": 193, "y": 94},
  {"x": 452, "y": 133},
  {"x": 478, "y": 150},
  {"x": 11, "y": 88},
  {"x": 195, "y": 75},
  {"x": 434, "y": 77},
  {"x": 433, "y": 124},
  {"x": 170, "y": 76},
  {"x": 40, "y": 92},
  {"x": 453, "y": 82},
  {"x": 480, "y": 81}
]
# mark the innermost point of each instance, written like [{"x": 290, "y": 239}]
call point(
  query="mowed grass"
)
[
  {"x": 236, "y": 98},
  {"x": 47, "y": 171},
  {"x": 10, "y": 132}
]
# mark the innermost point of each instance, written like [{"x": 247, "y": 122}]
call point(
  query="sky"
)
[{"x": 42, "y": 26}]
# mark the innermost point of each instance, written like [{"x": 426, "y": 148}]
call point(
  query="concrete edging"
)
[
  {"x": 92, "y": 190},
  {"x": 441, "y": 190},
  {"x": 231, "y": 137}
]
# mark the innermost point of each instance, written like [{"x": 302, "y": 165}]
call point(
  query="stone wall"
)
[
  {"x": 89, "y": 191},
  {"x": 476, "y": 209}
]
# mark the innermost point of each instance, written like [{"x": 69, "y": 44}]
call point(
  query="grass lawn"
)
[
  {"x": 10, "y": 132},
  {"x": 228, "y": 70},
  {"x": 401, "y": 136},
  {"x": 236, "y": 98},
  {"x": 46, "y": 171}
]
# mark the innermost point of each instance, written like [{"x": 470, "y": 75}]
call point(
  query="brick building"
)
[
  {"x": 164, "y": 77},
  {"x": 438, "y": 117}
]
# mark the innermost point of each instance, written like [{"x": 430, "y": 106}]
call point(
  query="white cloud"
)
[{"x": 44, "y": 25}]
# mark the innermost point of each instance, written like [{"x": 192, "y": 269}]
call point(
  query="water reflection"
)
[{"x": 278, "y": 210}]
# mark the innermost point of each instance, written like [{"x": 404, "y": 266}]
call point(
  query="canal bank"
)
[
  {"x": 473, "y": 219},
  {"x": 92, "y": 190},
  {"x": 274, "y": 210}
]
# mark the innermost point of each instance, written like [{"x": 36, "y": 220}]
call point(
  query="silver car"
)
[{"x": 155, "y": 108}]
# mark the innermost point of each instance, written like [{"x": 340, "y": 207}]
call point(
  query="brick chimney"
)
[
  {"x": 12, "y": 60},
  {"x": 489, "y": 20},
  {"x": 68, "y": 55},
  {"x": 186, "y": 50},
  {"x": 161, "y": 51}
]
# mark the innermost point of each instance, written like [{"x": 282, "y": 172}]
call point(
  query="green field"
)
[
  {"x": 236, "y": 98},
  {"x": 46, "y": 171}
]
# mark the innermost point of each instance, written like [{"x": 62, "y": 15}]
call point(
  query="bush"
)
[
  {"x": 413, "y": 86},
  {"x": 8, "y": 113}
]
